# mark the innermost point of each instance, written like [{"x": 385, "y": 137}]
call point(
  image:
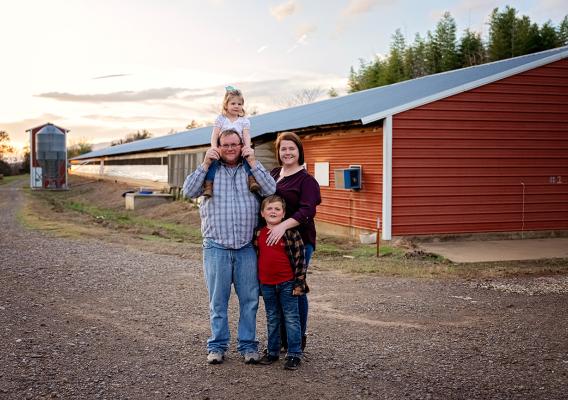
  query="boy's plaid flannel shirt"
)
[{"x": 294, "y": 246}]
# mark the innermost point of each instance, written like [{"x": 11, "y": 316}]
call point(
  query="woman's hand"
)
[{"x": 276, "y": 233}]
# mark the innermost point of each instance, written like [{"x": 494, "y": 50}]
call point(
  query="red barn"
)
[{"x": 475, "y": 150}]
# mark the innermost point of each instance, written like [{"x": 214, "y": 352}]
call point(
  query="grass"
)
[
  {"x": 76, "y": 213},
  {"x": 125, "y": 219},
  {"x": 145, "y": 228},
  {"x": 12, "y": 178}
]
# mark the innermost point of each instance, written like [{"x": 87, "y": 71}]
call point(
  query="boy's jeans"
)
[
  {"x": 222, "y": 268},
  {"x": 279, "y": 298}
]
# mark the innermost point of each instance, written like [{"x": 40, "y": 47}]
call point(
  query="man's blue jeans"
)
[
  {"x": 278, "y": 299},
  {"x": 222, "y": 268}
]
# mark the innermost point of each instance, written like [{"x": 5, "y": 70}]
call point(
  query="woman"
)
[{"x": 301, "y": 193}]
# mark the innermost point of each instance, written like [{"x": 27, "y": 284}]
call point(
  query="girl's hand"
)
[
  {"x": 210, "y": 155},
  {"x": 275, "y": 234}
]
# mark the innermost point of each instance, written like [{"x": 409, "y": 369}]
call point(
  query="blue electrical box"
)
[{"x": 348, "y": 178}]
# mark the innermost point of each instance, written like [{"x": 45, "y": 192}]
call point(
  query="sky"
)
[{"x": 103, "y": 69}]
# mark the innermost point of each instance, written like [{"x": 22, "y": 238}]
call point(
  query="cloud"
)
[
  {"x": 125, "y": 96},
  {"x": 17, "y": 129},
  {"x": 128, "y": 119},
  {"x": 114, "y": 120},
  {"x": 110, "y": 76},
  {"x": 302, "y": 33},
  {"x": 261, "y": 49},
  {"x": 357, "y": 7},
  {"x": 304, "y": 29},
  {"x": 354, "y": 9},
  {"x": 283, "y": 10}
]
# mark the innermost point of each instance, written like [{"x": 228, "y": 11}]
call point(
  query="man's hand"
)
[
  {"x": 248, "y": 154},
  {"x": 210, "y": 155}
]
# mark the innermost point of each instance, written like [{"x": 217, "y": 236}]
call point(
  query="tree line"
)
[{"x": 509, "y": 36}]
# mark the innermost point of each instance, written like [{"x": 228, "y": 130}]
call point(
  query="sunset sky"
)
[{"x": 105, "y": 68}]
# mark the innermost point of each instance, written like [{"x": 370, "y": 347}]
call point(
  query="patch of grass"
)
[
  {"x": 126, "y": 219},
  {"x": 12, "y": 178}
]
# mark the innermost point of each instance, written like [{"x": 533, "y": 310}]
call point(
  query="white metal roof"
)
[{"x": 365, "y": 106}]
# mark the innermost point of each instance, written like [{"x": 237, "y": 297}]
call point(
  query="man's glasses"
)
[{"x": 230, "y": 146}]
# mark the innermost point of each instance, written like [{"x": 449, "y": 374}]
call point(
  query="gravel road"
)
[{"x": 82, "y": 319}]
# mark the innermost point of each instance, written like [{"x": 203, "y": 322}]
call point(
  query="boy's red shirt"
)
[{"x": 273, "y": 263}]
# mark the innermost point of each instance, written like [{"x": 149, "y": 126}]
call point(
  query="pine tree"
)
[
  {"x": 415, "y": 58},
  {"x": 525, "y": 37},
  {"x": 445, "y": 37},
  {"x": 549, "y": 37},
  {"x": 395, "y": 71},
  {"x": 501, "y": 28},
  {"x": 563, "y": 32},
  {"x": 471, "y": 50}
]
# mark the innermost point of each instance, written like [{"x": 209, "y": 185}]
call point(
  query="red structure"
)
[
  {"x": 490, "y": 159},
  {"x": 39, "y": 178}
]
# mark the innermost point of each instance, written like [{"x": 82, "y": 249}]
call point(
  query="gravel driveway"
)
[{"x": 89, "y": 320}]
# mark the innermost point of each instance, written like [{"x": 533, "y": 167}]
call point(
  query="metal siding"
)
[
  {"x": 358, "y": 209},
  {"x": 459, "y": 164}
]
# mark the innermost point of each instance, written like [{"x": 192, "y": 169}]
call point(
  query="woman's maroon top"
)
[{"x": 301, "y": 192}]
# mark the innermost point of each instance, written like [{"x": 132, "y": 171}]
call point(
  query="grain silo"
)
[{"x": 48, "y": 151}]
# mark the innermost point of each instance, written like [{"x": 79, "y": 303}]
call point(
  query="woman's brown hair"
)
[{"x": 293, "y": 138}]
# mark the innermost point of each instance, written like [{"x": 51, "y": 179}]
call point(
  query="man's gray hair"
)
[{"x": 228, "y": 132}]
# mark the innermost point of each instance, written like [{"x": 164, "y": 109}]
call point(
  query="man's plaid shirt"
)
[{"x": 229, "y": 217}]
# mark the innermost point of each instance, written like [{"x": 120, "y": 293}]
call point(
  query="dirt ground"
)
[{"x": 125, "y": 318}]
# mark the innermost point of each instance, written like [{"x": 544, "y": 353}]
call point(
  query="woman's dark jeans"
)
[{"x": 302, "y": 304}]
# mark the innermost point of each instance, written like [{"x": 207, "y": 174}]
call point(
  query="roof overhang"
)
[{"x": 463, "y": 88}]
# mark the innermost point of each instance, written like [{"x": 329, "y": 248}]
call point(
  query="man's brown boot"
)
[
  {"x": 253, "y": 184},
  {"x": 208, "y": 189}
]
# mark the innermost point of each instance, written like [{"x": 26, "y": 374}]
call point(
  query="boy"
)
[{"x": 282, "y": 275}]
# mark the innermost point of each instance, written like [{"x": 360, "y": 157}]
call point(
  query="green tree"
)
[
  {"x": 563, "y": 32},
  {"x": 501, "y": 28},
  {"x": 433, "y": 54},
  {"x": 81, "y": 147},
  {"x": 525, "y": 37},
  {"x": 332, "y": 92},
  {"x": 415, "y": 58},
  {"x": 441, "y": 50},
  {"x": 445, "y": 38},
  {"x": 132, "y": 137},
  {"x": 471, "y": 50},
  {"x": 549, "y": 37},
  {"x": 395, "y": 69}
]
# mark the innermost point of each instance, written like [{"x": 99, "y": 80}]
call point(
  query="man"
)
[{"x": 228, "y": 219}]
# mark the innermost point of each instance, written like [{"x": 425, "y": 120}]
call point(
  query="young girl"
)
[
  {"x": 232, "y": 117},
  {"x": 282, "y": 276}
]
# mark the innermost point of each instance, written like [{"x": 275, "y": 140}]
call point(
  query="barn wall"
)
[
  {"x": 362, "y": 145},
  {"x": 494, "y": 158}
]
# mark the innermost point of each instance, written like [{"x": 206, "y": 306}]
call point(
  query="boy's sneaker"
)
[
  {"x": 208, "y": 189},
  {"x": 252, "y": 357},
  {"x": 215, "y": 357},
  {"x": 292, "y": 363},
  {"x": 268, "y": 358}
]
